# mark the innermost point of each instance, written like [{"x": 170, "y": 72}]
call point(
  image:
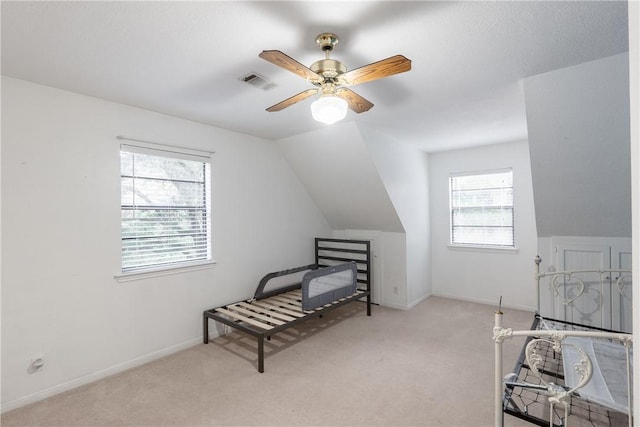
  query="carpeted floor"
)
[{"x": 429, "y": 366}]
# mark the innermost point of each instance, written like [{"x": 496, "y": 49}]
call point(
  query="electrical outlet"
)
[
  {"x": 395, "y": 290},
  {"x": 37, "y": 363}
]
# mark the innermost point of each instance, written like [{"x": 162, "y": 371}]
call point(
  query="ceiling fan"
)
[{"x": 332, "y": 79}]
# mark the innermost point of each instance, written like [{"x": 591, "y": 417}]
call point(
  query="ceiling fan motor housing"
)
[
  {"x": 328, "y": 68},
  {"x": 327, "y": 41}
]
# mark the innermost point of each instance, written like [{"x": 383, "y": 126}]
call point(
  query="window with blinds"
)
[
  {"x": 481, "y": 207},
  {"x": 165, "y": 204}
]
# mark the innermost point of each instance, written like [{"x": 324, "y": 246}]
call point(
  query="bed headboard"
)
[
  {"x": 330, "y": 252},
  {"x": 600, "y": 297}
]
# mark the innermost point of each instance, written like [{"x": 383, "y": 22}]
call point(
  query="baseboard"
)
[
  {"x": 418, "y": 301},
  {"x": 394, "y": 306},
  {"x": 483, "y": 301},
  {"x": 408, "y": 306},
  {"x": 95, "y": 376}
]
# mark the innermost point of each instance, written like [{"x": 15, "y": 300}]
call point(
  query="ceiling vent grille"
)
[{"x": 256, "y": 80}]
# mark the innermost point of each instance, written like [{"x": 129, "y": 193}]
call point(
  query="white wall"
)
[
  {"x": 404, "y": 172},
  {"x": 634, "y": 90},
  {"x": 578, "y": 127},
  {"x": 395, "y": 270},
  {"x": 389, "y": 265},
  {"x": 61, "y": 231},
  {"x": 363, "y": 195},
  {"x": 338, "y": 172},
  {"x": 484, "y": 275},
  {"x": 365, "y": 180}
]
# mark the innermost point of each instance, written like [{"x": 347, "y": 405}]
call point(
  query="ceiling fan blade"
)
[
  {"x": 290, "y": 101},
  {"x": 355, "y": 101},
  {"x": 281, "y": 60},
  {"x": 377, "y": 70}
]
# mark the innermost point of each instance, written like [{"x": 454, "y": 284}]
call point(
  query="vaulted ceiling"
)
[{"x": 188, "y": 59}]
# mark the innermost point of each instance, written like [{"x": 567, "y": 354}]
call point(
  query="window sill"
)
[
  {"x": 147, "y": 274},
  {"x": 478, "y": 248}
]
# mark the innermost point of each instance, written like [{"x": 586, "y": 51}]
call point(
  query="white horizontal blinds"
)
[
  {"x": 482, "y": 209},
  {"x": 165, "y": 208}
]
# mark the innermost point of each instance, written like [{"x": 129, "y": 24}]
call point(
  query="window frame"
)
[
  {"x": 482, "y": 246},
  {"x": 177, "y": 153}
]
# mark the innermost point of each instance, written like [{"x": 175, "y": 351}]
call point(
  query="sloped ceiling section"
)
[
  {"x": 336, "y": 168},
  {"x": 578, "y": 124}
]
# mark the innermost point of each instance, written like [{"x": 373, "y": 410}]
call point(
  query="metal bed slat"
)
[
  {"x": 335, "y": 258},
  {"x": 361, "y": 266},
  {"x": 359, "y": 270},
  {"x": 352, "y": 251}
]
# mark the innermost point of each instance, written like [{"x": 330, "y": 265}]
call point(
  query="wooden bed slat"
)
[
  {"x": 286, "y": 302},
  {"x": 263, "y": 310},
  {"x": 244, "y": 319},
  {"x": 278, "y": 308},
  {"x": 252, "y": 313},
  {"x": 294, "y": 299},
  {"x": 296, "y": 293}
]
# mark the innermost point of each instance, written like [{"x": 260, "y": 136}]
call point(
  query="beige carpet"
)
[{"x": 429, "y": 366}]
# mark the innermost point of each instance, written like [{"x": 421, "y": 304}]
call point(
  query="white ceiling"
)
[{"x": 186, "y": 58}]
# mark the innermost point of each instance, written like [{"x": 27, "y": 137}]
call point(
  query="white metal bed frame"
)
[{"x": 560, "y": 395}]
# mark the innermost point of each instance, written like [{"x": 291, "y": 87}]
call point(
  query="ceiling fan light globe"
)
[{"x": 329, "y": 109}]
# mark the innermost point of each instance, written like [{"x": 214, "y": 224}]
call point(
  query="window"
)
[
  {"x": 482, "y": 209},
  {"x": 165, "y": 204}
]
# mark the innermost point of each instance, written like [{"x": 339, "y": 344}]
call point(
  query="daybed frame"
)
[
  {"x": 536, "y": 389},
  {"x": 272, "y": 311}
]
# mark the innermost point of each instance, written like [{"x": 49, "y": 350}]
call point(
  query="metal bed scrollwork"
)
[
  {"x": 341, "y": 274},
  {"x": 578, "y": 372}
]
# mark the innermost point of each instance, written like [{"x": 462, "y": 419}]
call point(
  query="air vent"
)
[{"x": 256, "y": 80}]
